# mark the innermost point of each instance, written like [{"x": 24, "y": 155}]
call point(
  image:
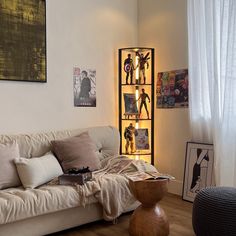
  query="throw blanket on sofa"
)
[{"x": 110, "y": 185}]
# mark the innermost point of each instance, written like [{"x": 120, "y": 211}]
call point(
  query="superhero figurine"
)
[
  {"x": 129, "y": 68},
  {"x": 129, "y": 136},
  {"x": 142, "y": 63},
  {"x": 143, "y": 96}
]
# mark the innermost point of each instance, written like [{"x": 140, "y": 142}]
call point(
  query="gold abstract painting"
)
[{"x": 23, "y": 40}]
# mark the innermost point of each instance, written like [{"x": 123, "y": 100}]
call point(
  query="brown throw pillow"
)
[
  {"x": 76, "y": 152},
  {"x": 8, "y": 173}
]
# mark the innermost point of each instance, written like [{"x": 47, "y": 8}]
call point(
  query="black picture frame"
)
[
  {"x": 199, "y": 169},
  {"x": 23, "y": 41}
]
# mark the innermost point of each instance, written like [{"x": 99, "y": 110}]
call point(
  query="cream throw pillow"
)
[
  {"x": 38, "y": 170},
  {"x": 8, "y": 173}
]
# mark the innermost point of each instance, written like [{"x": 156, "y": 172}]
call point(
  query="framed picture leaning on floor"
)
[{"x": 198, "y": 174}]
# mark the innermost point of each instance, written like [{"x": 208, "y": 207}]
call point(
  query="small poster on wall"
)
[
  {"x": 84, "y": 87},
  {"x": 141, "y": 139},
  {"x": 172, "y": 89}
]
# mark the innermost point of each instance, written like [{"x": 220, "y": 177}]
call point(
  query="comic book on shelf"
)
[
  {"x": 141, "y": 139},
  {"x": 130, "y": 104}
]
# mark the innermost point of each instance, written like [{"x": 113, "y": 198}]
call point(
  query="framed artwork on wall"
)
[
  {"x": 172, "y": 89},
  {"x": 23, "y": 40},
  {"x": 199, "y": 164}
]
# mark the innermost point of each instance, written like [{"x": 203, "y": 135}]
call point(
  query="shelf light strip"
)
[
  {"x": 137, "y": 69},
  {"x": 136, "y": 95},
  {"x": 136, "y": 88}
]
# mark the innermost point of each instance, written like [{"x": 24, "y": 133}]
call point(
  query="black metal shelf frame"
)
[{"x": 122, "y": 86}]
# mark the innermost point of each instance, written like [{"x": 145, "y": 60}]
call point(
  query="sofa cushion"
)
[
  {"x": 37, "y": 171},
  {"x": 8, "y": 172},
  {"x": 76, "y": 152},
  {"x": 18, "y": 203}
]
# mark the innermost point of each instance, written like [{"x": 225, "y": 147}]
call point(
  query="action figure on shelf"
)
[
  {"x": 142, "y": 62},
  {"x": 129, "y": 68},
  {"x": 129, "y": 137},
  {"x": 143, "y": 96}
]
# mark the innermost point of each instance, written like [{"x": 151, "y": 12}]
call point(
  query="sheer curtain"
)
[{"x": 212, "y": 73}]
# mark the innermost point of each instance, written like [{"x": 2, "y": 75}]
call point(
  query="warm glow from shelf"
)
[
  {"x": 136, "y": 94},
  {"x": 137, "y": 69},
  {"x": 137, "y": 82}
]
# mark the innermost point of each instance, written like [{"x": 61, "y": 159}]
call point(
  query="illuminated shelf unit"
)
[{"x": 139, "y": 62}]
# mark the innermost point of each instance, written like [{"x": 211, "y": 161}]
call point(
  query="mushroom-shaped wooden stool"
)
[{"x": 149, "y": 219}]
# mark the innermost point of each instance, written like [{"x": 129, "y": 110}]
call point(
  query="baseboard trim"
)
[{"x": 175, "y": 187}]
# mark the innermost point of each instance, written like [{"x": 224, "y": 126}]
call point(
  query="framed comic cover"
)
[
  {"x": 199, "y": 164},
  {"x": 23, "y": 40},
  {"x": 130, "y": 104},
  {"x": 141, "y": 139}
]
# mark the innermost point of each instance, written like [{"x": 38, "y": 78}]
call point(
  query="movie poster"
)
[
  {"x": 141, "y": 139},
  {"x": 172, "y": 89},
  {"x": 84, "y": 87}
]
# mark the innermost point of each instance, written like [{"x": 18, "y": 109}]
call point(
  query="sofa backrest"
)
[{"x": 106, "y": 139}]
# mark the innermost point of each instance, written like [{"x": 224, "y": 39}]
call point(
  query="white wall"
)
[
  {"x": 163, "y": 25},
  {"x": 85, "y": 33}
]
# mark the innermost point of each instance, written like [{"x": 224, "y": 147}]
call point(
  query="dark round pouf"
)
[{"x": 214, "y": 212}]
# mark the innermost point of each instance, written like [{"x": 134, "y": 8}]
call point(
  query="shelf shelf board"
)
[
  {"x": 137, "y": 119},
  {"x": 137, "y": 154},
  {"x": 136, "y": 84}
]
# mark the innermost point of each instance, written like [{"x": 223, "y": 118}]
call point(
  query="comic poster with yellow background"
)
[{"x": 172, "y": 89}]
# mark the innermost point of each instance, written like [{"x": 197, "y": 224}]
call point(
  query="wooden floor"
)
[{"x": 179, "y": 213}]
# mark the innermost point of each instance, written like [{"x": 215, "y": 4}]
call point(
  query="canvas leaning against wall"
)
[
  {"x": 172, "y": 89},
  {"x": 23, "y": 40},
  {"x": 84, "y": 87},
  {"x": 199, "y": 163}
]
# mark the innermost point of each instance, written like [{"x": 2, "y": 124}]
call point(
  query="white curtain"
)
[{"x": 212, "y": 75}]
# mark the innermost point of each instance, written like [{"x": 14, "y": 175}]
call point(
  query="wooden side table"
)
[{"x": 149, "y": 219}]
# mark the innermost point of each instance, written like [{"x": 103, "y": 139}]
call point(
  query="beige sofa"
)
[{"x": 50, "y": 209}]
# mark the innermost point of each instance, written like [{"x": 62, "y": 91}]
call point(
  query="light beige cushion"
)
[
  {"x": 20, "y": 204},
  {"x": 8, "y": 173},
  {"x": 38, "y": 170},
  {"x": 76, "y": 152}
]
